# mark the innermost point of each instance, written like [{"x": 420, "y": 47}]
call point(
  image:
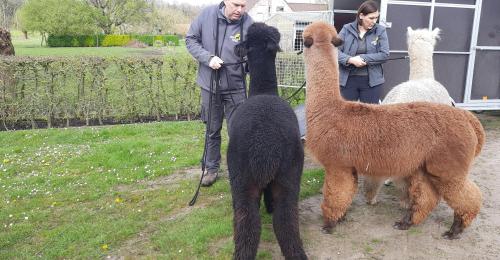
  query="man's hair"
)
[{"x": 365, "y": 8}]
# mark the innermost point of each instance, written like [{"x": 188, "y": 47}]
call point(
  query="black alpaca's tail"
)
[{"x": 265, "y": 163}]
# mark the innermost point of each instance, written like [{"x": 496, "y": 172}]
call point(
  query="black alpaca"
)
[{"x": 265, "y": 153}]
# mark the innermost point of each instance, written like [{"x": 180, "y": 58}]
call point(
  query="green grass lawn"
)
[
  {"x": 31, "y": 47},
  {"x": 96, "y": 191}
]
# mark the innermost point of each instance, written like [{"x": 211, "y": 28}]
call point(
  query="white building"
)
[{"x": 262, "y": 10}]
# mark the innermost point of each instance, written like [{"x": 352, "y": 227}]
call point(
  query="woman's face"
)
[{"x": 369, "y": 20}]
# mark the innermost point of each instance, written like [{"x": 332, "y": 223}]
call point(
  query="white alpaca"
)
[{"x": 420, "y": 87}]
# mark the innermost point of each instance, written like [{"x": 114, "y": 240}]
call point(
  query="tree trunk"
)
[
  {"x": 6, "y": 47},
  {"x": 43, "y": 40}
]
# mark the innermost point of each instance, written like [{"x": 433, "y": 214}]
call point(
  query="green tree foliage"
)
[
  {"x": 116, "y": 13},
  {"x": 58, "y": 17}
]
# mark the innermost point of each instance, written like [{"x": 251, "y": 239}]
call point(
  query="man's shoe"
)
[{"x": 209, "y": 178}]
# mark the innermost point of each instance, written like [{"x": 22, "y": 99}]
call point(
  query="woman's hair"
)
[{"x": 365, "y": 8}]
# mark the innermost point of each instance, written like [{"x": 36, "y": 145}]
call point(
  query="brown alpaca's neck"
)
[
  {"x": 421, "y": 67},
  {"x": 322, "y": 77}
]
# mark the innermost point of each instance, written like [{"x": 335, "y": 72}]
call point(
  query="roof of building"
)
[
  {"x": 302, "y": 16},
  {"x": 296, "y": 7},
  {"x": 251, "y": 4},
  {"x": 305, "y": 7}
]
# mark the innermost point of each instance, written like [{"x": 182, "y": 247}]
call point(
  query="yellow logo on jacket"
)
[{"x": 236, "y": 37}]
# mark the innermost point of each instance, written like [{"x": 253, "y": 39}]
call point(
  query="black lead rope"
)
[
  {"x": 214, "y": 82},
  {"x": 233, "y": 63},
  {"x": 296, "y": 92},
  {"x": 301, "y": 87},
  {"x": 304, "y": 84},
  {"x": 400, "y": 58}
]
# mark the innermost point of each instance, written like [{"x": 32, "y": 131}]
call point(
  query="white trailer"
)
[{"x": 466, "y": 59}]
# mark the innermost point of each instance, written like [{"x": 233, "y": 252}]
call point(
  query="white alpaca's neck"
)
[{"x": 421, "y": 65}]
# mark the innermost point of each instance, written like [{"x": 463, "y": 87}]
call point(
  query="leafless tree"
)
[
  {"x": 8, "y": 9},
  {"x": 118, "y": 12}
]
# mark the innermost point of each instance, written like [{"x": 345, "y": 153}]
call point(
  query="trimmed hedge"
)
[
  {"x": 102, "y": 40},
  {"x": 73, "y": 41},
  {"x": 116, "y": 40},
  {"x": 55, "y": 91},
  {"x": 171, "y": 40}
]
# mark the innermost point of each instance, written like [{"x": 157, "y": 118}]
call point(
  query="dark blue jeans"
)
[{"x": 357, "y": 88}]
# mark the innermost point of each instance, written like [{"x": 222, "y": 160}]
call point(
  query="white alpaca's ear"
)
[
  {"x": 409, "y": 31},
  {"x": 436, "y": 33}
]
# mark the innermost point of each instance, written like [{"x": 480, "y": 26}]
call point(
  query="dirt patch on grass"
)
[
  {"x": 161, "y": 182},
  {"x": 140, "y": 245},
  {"x": 150, "y": 52}
]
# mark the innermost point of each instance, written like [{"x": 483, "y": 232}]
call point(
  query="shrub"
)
[
  {"x": 147, "y": 39},
  {"x": 73, "y": 41},
  {"x": 60, "y": 90},
  {"x": 110, "y": 40},
  {"x": 115, "y": 40},
  {"x": 171, "y": 40}
]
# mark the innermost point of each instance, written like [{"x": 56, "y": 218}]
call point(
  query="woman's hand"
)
[{"x": 356, "y": 61}]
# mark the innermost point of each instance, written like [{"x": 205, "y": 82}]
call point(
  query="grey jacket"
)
[
  {"x": 377, "y": 52},
  {"x": 200, "y": 42}
]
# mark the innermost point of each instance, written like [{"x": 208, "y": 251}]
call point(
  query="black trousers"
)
[
  {"x": 222, "y": 105},
  {"x": 358, "y": 88}
]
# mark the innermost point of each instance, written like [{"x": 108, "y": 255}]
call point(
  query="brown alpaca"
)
[{"x": 432, "y": 146}]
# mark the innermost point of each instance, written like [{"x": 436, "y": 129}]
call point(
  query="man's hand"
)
[
  {"x": 215, "y": 63},
  {"x": 356, "y": 61}
]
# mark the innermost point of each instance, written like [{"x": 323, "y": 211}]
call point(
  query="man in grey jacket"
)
[{"x": 211, "y": 40}]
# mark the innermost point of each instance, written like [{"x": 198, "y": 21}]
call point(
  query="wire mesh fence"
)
[{"x": 290, "y": 68}]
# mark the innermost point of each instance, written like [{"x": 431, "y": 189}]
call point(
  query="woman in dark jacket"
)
[{"x": 361, "y": 56}]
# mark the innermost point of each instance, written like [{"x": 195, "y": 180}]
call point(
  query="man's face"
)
[{"x": 234, "y": 9}]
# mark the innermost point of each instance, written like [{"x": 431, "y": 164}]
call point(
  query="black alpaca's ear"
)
[
  {"x": 241, "y": 49},
  {"x": 272, "y": 39},
  {"x": 336, "y": 41},
  {"x": 308, "y": 42}
]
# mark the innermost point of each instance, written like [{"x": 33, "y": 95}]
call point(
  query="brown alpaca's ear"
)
[
  {"x": 308, "y": 41},
  {"x": 336, "y": 41}
]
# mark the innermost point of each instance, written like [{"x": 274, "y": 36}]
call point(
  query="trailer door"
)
[{"x": 466, "y": 59}]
